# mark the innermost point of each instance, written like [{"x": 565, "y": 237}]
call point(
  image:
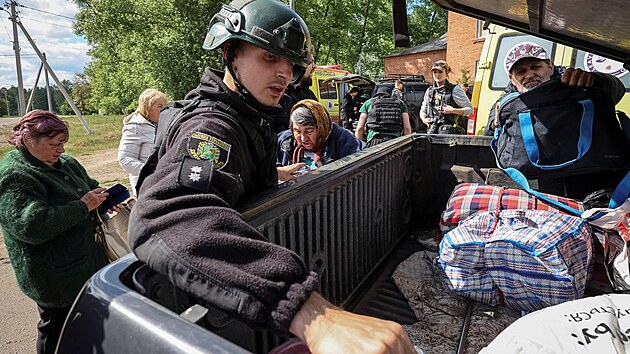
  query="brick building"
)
[
  {"x": 460, "y": 47},
  {"x": 416, "y": 60},
  {"x": 465, "y": 43}
]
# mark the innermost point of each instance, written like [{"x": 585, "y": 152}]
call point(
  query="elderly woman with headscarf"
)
[{"x": 312, "y": 140}]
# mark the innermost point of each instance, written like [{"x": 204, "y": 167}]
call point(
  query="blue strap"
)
[
  {"x": 621, "y": 193},
  {"x": 519, "y": 178},
  {"x": 583, "y": 144},
  {"x": 508, "y": 98}
]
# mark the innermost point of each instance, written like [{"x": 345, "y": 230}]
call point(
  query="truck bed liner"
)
[{"x": 382, "y": 298}]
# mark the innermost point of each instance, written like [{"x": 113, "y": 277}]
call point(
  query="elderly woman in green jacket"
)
[{"x": 47, "y": 214}]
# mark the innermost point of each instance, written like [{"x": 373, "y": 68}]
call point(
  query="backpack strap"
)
[
  {"x": 520, "y": 179},
  {"x": 448, "y": 89}
]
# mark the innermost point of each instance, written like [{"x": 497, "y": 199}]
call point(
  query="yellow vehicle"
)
[
  {"x": 328, "y": 94},
  {"x": 492, "y": 76}
]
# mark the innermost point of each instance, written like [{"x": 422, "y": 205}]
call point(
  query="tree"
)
[
  {"x": 427, "y": 21},
  {"x": 137, "y": 44},
  {"x": 82, "y": 94},
  {"x": 465, "y": 77}
]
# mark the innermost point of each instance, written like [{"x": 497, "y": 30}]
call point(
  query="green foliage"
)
[
  {"x": 65, "y": 108},
  {"x": 138, "y": 44},
  {"x": 81, "y": 95},
  {"x": 465, "y": 77},
  {"x": 427, "y": 21},
  {"x": 40, "y": 98}
]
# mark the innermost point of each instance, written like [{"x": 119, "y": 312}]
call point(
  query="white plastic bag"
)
[
  {"x": 595, "y": 325},
  {"x": 617, "y": 219}
]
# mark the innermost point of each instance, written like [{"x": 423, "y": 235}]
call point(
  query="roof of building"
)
[{"x": 438, "y": 44}]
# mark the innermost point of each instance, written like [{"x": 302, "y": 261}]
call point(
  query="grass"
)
[
  {"x": 106, "y": 131},
  {"x": 105, "y": 136}
]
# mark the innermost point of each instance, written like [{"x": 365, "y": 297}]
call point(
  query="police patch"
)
[{"x": 208, "y": 148}]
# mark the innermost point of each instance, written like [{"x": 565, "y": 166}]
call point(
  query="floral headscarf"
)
[{"x": 317, "y": 116}]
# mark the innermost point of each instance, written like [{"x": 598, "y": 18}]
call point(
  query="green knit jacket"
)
[{"x": 47, "y": 229}]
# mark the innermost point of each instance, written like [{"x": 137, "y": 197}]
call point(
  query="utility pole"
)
[
  {"x": 18, "y": 61},
  {"x": 57, "y": 81},
  {"x": 30, "y": 99},
  {"x": 48, "y": 95}
]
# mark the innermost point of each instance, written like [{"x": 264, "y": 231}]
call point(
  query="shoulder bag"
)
[{"x": 111, "y": 234}]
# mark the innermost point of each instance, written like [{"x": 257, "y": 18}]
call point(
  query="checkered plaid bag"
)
[
  {"x": 469, "y": 198},
  {"x": 524, "y": 259}
]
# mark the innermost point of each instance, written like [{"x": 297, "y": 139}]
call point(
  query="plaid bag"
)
[
  {"x": 469, "y": 198},
  {"x": 524, "y": 259}
]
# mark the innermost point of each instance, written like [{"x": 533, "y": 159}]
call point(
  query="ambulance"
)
[
  {"x": 329, "y": 94},
  {"x": 492, "y": 76}
]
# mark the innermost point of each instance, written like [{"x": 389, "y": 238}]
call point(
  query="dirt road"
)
[{"x": 18, "y": 314}]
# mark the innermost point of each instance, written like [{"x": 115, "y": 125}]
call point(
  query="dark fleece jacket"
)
[{"x": 195, "y": 237}]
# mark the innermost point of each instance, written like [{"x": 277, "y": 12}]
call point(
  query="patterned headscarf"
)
[{"x": 314, "y": 115}]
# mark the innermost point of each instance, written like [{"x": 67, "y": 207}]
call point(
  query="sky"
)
[{"x": 65, "y": 52}]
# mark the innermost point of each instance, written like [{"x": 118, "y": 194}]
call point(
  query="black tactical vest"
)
[
  {"x": 385, "y": 115},
  {"x": 442, "y": 97}
]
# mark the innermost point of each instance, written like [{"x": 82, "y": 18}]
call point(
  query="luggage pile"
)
[{"x": 507, "y": 247}]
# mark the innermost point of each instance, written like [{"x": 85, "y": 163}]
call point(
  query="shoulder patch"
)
[{"x": 208, "y": 148}]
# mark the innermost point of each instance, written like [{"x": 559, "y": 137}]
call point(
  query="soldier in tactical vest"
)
[
  {"x": 184, "y": 224},
  {"x": 386, "y": 118},
  {"x": 445, "y": 105}
]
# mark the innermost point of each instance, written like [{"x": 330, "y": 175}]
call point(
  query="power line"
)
[
  {"x": 48, "y": 23},
  {"x": 7, "y": 31},
  {"x": 46, "y": 12}
]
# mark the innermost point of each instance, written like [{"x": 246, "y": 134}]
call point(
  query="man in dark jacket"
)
[
  {"x": 528, "y": 66},
  {"x": 184, "y": 225},
  {"x": 397, "y": 91},
  {"x": 349, "y": 108}
]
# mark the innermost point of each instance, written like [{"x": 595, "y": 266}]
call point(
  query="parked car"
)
[{"x": 329, "y": 94}]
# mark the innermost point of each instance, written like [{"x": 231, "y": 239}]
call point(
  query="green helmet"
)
[{"x": 268, "y": 24}]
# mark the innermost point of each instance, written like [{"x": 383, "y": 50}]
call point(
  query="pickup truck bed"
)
[
  {"x": 352, "y": 221},
  {"x": 381, "y": 297}
]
